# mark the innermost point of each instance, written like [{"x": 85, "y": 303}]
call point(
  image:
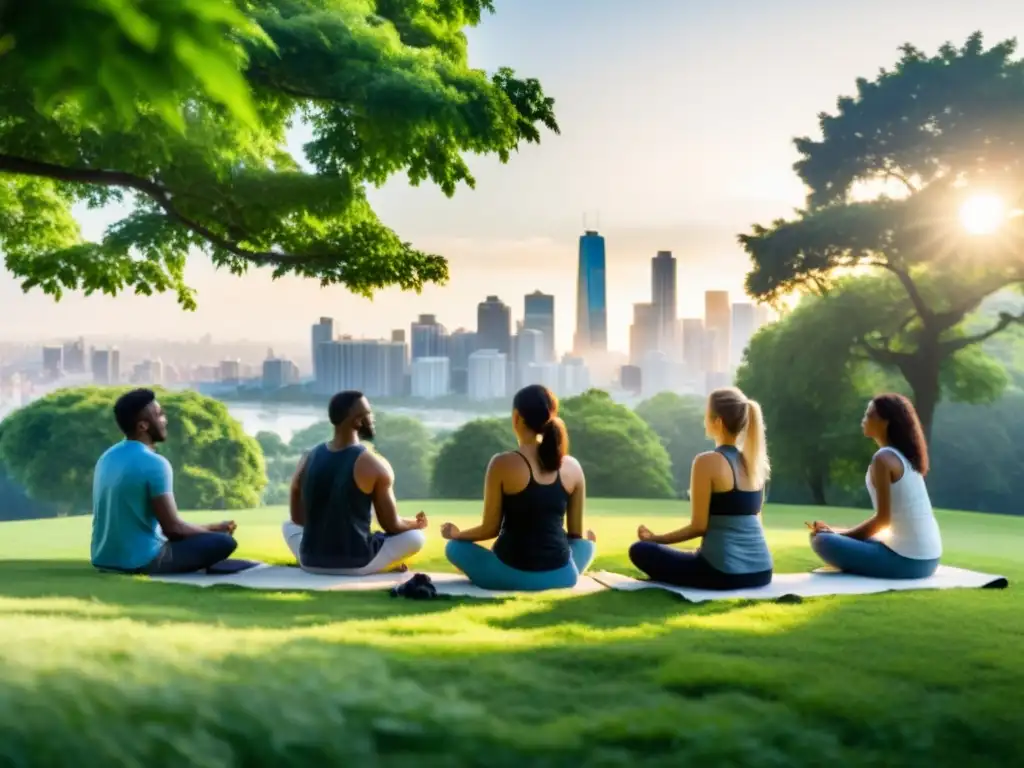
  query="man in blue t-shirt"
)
[{"x": 135, "y": 525}]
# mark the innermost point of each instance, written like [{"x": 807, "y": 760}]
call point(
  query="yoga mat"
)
[
  {"x": 282, "y": 578},
  {"x": 817, "y": 583}
]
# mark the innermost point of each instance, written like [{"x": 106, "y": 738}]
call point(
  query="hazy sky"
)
[{"x": 676, "y": 122}]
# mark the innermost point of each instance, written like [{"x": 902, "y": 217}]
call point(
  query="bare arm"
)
[
  {"x": 384, "y": 502},
  {"x": 296, "y": 509},
  {"x": 577, "y": 504},
  {"x": 700, "y": 504},
  {"x": 165, "y": 509},
  {"x": 491, "y": 525},
  {"x": 881, "y": 478}
]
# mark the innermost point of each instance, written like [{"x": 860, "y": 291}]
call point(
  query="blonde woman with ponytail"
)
[{"x": 726, "y": 496}]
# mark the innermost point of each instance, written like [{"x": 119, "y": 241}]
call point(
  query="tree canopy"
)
[
  {"x": 462, "y": 461},
  {"x": 679, "y": 422},
  {"x": 887, "y": 180},
  {"x": 51, "y": 446},
  {"x": 621, "y": 455},
  {"x": 179, "y": 112}
]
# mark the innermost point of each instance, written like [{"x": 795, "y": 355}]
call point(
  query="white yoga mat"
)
[
  {"x": 284, "y": 578},
  {"x": 815, "y": 584}
]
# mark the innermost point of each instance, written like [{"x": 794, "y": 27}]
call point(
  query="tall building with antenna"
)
[{"x": 591, "y": 296}]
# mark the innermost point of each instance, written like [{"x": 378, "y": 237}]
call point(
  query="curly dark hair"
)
[{"x": 904, "y": 431}]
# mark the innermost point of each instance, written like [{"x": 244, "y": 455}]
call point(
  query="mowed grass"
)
[{"x": 119, "y": 671}]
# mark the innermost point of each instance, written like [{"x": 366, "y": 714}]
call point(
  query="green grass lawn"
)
[{"x": 117, "y": 671}]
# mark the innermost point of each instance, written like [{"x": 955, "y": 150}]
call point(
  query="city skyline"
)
[{"x": 675, "y": 162}]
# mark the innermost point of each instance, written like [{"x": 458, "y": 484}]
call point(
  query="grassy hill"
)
[{"x": 117, "y": 671}]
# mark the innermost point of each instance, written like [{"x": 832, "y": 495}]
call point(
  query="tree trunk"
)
[
  {"x": 816, "y": 482},
  {"x": 923, "y": 377}
]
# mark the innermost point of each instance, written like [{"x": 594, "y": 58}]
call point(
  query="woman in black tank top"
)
[{"x": 531, "y": 496}]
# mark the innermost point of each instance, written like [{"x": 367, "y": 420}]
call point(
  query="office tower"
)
[
  {"x": 694, "y": 342},
  {"x": 663, "y": 297},
  {"x": 461, "y": 344},
  {"x": 657, "y": 373},
  {"x": 591, "y": 296},
  {"x": 531, "y": 349},
  {"x": 494, "y": 325},
  {"x": 229, "y": 371},
  {"x": 429, "y": 338},
  {"x": 718, "y": 318},
  {"x": 631, "y": 378},
  {"x": 431, "y": 377},
  {"x": 546, "y": 374},
  {"x": 53, "y": 362},
  {"x": 74, "y": 356},
  {"x": 322, "y": 333},
  {"x": 743, "y": 328},
  {"x": 106, "y": 366},
  {"x": 398, "y": 335},
  {"x": 279, "y": 373},
  {"x": 643, "y": 333},
  {"x": 539, "y": 315},
  {"x": 487, "y": 375},
  {"x": 148, "y": 372},
  {"x": 574, "y": 377},
  {"x": 375, "y": 368}
]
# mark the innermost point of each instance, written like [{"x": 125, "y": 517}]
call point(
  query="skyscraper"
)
[
  {"x": 743, "y": 327},
  {"x": 663, "y": 298},
  {"x": 322, "y": 332},
  {"x": 591, "y": 296},
  {"x": 494, "y": 325},
  {"x": 74, "y": 356},
  {"x": 718, "y": 320},
  {"x": 487, "y": 375},
  {"x": 429, "y": 338},
  {"x": 53, "y": 362},
  {"x": 694, "y": 343},
  {"x": 643, "y": 334},
  {"x": 539, "y": 315}
]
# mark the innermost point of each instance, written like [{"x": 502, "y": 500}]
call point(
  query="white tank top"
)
[{"x": 913, "y": 529}]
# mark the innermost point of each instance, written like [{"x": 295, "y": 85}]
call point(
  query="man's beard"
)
[
  {"x": 366, "y": 431},
  {"x": 156, "y": 434}
]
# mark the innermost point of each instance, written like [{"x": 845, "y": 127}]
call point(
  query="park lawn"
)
[{"x": 118, "y": 671}]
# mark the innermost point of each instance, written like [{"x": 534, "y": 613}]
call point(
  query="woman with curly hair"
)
[{"x": 895, "y": 481}]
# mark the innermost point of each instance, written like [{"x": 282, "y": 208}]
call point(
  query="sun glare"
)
[{"x": 983, "y": 214}]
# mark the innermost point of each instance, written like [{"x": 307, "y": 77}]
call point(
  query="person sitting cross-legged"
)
[
  {"x": 531, "y": 496},
  {"x": 335, "y": 487},
  {"x": 135, "y": 524},
  {"x": 902, "y": 539}
]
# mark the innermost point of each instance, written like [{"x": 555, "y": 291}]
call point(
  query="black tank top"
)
[
  {"x": 532, "y": 536},
  {"x": 338, "y": 513}
]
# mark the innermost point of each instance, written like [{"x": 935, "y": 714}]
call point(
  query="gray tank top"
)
[
  {"x": 734, "y": 541},
  {"x": 338, "y": 514}
]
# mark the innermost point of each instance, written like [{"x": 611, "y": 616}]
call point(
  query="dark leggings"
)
[
  {"x": 193, "y": 553},
  {"x": 689, "y": 569}
]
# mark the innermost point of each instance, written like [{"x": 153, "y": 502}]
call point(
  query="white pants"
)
[{"x": 396, "y": 548}]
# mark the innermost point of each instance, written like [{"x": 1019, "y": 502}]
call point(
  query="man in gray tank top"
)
[{"x": 337, "y": 487}]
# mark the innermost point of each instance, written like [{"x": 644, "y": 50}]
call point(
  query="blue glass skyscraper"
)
[{"x": 591, "y": 296}]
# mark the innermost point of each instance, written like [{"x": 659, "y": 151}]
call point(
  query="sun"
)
[{"x": 983, "y": 213}]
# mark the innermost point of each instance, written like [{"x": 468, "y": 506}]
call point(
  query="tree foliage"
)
[
  {"x": 179, "y": 112},
  {"x": 51, "y": 446},
  {"x": 936, "y": 130},
  {"x": 271, "y": 444},
  {"x": 404, "y": 441},
  {"x": 621, "y": 455},
  {"x": 679, "y": 422},
  {"x": 462, "y": 461}
]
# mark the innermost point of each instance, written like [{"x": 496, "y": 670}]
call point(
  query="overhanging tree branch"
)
[
  {"x": 155, "y": 191},
  {"x": 1005, "y": 321},
  {"x": 920, "y": 306}
]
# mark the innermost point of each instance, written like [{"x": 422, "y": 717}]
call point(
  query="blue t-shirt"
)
[{"x": 125, "y": 532}]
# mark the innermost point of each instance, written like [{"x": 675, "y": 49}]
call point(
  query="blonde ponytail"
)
[{"x": 754, "y": 447}]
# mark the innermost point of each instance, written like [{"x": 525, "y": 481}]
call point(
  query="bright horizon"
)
[{"x": 676, "y": 129}]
